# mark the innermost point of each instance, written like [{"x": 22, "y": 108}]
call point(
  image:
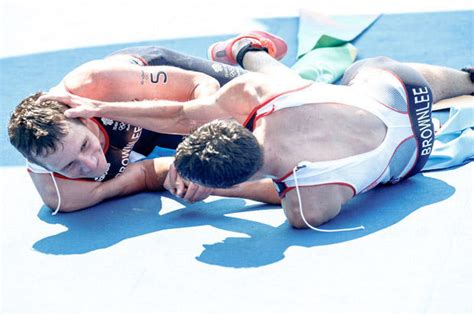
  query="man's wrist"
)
[
  {"x": 102, "y": 109},
  {"x": 155, "y": 172}
]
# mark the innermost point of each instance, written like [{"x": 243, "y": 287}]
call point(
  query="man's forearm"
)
[
  {"x": 147, "y": 175},
  {"x": 261, "y": 190},
  {"x": 155, "y": 115},
  {"x": 162, "y": 116}
]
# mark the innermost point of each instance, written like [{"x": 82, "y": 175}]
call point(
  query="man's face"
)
[{"x": 79, "y": 156}]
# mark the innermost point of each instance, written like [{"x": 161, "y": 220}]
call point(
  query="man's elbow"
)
[
  {"x": 66, "y": 203},
  {"x": 310, "y": 217},
  {"x": 63, "y": 206},
  {"x": 90, "y": 80}
]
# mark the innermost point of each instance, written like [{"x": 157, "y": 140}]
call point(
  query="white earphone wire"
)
[
  {"x": 57, "y": 192},
  {"x": 304, "y": 219}
]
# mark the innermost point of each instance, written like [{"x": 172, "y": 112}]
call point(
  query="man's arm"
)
[
  {"x": 260, "y": 190},
  {"x": 235, "y": 100},
  {"x": 113, "y": 80},
  {"x": 152, "y": 97},
  {"x": 161, "y": 116},
  {"x": 147, "y": 175}
]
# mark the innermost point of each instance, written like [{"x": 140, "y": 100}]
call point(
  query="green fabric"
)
[
  {"x": 326, "y": 64},
  {"x": 324, "y": 51},
  {"x": 328, "y": 41}
]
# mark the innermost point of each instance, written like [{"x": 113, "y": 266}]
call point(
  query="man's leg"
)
[
  {"x": 158, "y": 56},
  {"x": 260, "y": 61},
  {"x": 444, "y": 82},
  {"x": 267, "y": 77},
  {"x": 255, "y": 51},
  {"x": 258, "y": 52},
  {"x": 409, "y": 88}
]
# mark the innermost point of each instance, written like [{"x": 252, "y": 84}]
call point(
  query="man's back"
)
[
  {"x": 318, "y": 132},
  {"x": 333, "y": 142}
]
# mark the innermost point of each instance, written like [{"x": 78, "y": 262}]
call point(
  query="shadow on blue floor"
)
[{"x": 107, "y": 224}]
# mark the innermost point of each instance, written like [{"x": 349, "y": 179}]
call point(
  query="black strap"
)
[
  {"x": 240, "y": 56},
  {"x": 471, "y": 73},
  {"x": 249, "y": 125},
  {"x": 280, "y": 187}
]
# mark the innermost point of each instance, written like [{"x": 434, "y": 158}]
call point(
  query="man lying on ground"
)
[{"x": 76, "y": 163}]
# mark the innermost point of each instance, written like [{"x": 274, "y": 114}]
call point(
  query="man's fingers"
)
[
  {"x": 190, "y": 192},
  {"x": 171, "y": 179},
  {"x": 78, "y": 112},
  {"x": 69, "y": 113},
  {"x": 49, "y": 97},
  {"x": 73, "y": 101},
  {"x": 196, "y": 193},
  {"x": 172, "y": 173},
  {"x": 180, "y": 187},
  {"x": 167, "y": 184},
  {"x": 73, "y": 113},
  {"x": 202, "y": 193}
]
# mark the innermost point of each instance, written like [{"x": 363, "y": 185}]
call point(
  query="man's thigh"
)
[
  {"x": 260, "y": 86},
  {"x": 159, "y": 56},
  {"x": 400, "y": 87},
  {"x": 404, "y": 72}
]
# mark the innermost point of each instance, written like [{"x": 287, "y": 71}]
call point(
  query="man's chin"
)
[
  {"x": 92, "y": 175},
  {"x": 89, "y": 176},
  {"x": 95, "y": 175},
  {"x": 100, "y": 172}
]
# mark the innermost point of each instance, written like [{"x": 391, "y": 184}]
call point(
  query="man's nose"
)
[{"x": 88, "y": 163}]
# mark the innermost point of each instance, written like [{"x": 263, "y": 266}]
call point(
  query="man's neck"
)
[{"x": 258, "y": 176}]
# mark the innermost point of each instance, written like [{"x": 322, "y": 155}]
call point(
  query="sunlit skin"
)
[{"x": 80, "y": 154}]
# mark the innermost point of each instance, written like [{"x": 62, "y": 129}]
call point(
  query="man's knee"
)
[
  {"x": 351, "y": 72},
  {"x": 403, "y": 71},
  {"x": 247, "y": 88}
]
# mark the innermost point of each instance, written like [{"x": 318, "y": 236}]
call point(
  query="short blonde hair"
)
[{"x": 36, "y": 129}]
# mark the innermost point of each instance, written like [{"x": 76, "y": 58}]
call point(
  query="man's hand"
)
[
  {"x": 184, "y": 189},
  {"x": 81, "y": 107}
]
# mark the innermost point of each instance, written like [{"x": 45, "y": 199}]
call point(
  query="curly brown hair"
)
[
  {"x": 219, "y": 154},
  {"x": 35, "y": 129}
]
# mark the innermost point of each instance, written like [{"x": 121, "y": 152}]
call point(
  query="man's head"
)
[
  {"x": 42, "y": 133},
  {"x": 219, "y": 154}
]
